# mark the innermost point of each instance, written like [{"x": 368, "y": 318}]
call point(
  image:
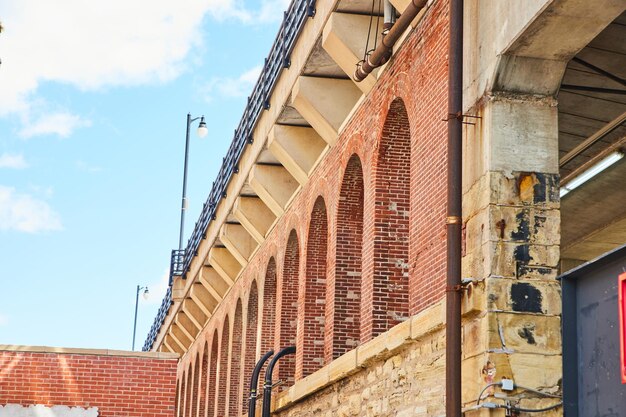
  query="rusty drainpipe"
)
[
  {"x": 381, "y": 54},
  {"x": 454, "y": 215}
]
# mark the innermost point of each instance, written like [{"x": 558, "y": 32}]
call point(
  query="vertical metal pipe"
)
[
  {"x": 135, "y": 323},
  {"x": 183, "y": 205},
  {"x": 454, "y": 215},
  {"x": 267, "y": 387},
  {"x": 254, "y": 382}
]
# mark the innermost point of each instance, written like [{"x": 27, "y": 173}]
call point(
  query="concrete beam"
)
[
  {"x": 205, "y": 300},
  {"x": 343, "y": 40},
  {"x": 325, "y": 103},
  {"x": 179, "y": 337},
  {"x": 255, "y": 216},
  {"x": 185, "y": 326},
  {"x": 172, "y": 346},
  {"x": 274, "y": 185},
  {"x": 238, "y": 241},
  {"x": 297, "y": 148},
  {"x": 197, "y": 317},
  {"x": 225, "y": 264},
  {"x": 211, "y": 278}
]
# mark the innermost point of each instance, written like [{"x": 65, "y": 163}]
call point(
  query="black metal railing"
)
[
  {"x": 176, "y": 264},
  {"x": 278, "y": 59},
  {"x": 158, "y": 320}
]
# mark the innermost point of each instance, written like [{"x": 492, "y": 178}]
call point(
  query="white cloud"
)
[
  {"x": 12, "y": 160},
  {"x": 92, "y": 45},
  {"x": 240, "y": 86},
  {"x": 84, "y": 166},
  {"x": 61, "y": 124},
  {"x": 24, "y": 213}
]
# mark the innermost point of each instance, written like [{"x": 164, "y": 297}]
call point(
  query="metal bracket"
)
[{"x": 460, "y": 116}]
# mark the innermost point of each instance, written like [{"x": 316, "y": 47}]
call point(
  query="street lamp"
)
[
  {"x": 145, "y": 297},
  {"x": 202, "y": 132}
]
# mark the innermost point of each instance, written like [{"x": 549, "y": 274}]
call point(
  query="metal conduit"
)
[
  {"x": 381, "y": 54},
  {"x": 454, "y": 214},
  {"x": 254, "y": 381},
  {"x": 267, "y": 387}
]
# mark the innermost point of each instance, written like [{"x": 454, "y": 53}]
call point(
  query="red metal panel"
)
[{"x": 622, "y": 324}]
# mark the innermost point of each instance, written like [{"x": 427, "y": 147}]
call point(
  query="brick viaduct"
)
[{"x": 361, "y": 248}]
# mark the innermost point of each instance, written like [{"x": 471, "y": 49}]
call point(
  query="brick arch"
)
[
  {"x": 221, "y": 386},
  {"x": 213, "y": 375},
  {"x": 195, "y": 389},
  {"x": 252, "y": 325},
  {"x": 236, "y": 393},
  {"x": 183, "y": 394},
  {"x": 204, "y": 370},
  {"x": 312, "y": 299},
  {"x": 268, "y": 319},
  {"x": 289, "y": 308},
  {"x": 390, "y": 284},
  {"x": 177, "y": 398},
  {"x": 188, "y": 391},
  {"x": 348, "y": 260}
]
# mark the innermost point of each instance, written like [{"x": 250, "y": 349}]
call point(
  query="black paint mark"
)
[
  {"x": 546, "y": 189},
  {"x": 539, "y": 222},
  {"x": 527, "y": 333},
  {"x": 522, "y": 254},
  {"x": 523, "y": 226},
  {"x": 525, "y": 297}
]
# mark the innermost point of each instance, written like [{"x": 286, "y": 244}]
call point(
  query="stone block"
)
[
  {"x": 343, "y": 366},
  {"x": 500, "y": 295},
  {"x": 428, "y": 320}
]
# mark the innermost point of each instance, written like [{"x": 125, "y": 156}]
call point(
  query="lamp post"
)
[
  {"x": 202, "y": 132},
  {"x": 145, "y": 297}
]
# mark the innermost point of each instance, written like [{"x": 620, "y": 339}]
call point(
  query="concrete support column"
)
[{"x": 511, "y": 250}]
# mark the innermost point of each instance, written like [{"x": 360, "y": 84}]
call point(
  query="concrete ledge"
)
[
  {"x": 80, "y": 351},
  {"x": 381, "y": 347}
]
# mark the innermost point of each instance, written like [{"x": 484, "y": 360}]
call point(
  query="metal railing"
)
[
  {"x": 278, "y": 59},
  {"x": 176, "y": 264},
  {"x": 158, "y": 320}
]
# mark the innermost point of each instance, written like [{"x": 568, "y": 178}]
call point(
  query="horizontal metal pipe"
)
[{"x": 381, "y": 54}]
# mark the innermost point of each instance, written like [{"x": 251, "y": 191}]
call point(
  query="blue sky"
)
[{"x": 93, "y": 102}]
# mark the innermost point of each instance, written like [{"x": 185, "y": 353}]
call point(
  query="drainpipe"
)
[
  {"x": 454, "y": 214},
  {"x": 267, "y": 387},
  {"x": 383, "y": 51},
  {"x": 255, "y": 381}
]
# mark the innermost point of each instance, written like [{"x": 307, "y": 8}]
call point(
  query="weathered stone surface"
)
[{"x": 409, "y": 383}]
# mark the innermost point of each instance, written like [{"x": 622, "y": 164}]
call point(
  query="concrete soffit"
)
[{"x": 277, "y": 165}]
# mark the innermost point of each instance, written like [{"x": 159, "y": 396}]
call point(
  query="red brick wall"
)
[
  {"x": 203, "y": 381},
  {"x": 213, "y": 381},
  {"x": 235, "y": 364},
  {"x": 252, "y": 324},
  {"x": 288, "y": 289},
  {"x": 117, "y": 385},
  {"x": 312, "y": 296},
  {"x": 221, "y": 387},
  {"x": 400, "y": 142},
  {"x": 348, "y": 255}
]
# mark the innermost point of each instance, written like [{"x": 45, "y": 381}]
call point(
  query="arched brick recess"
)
[
  {"x": 177, "y": 398},
  {"x": 348, "y": 260},
  {"x": 203, "y": 381},
  {"x": 183, "y": 394},
  {"x": 251, "y": 339},
  {"x": 189, "y": 390},
  {"x": 235, "y": 363},
  {"x": 195, "y": 390},
  {"x": 213, "y": 381},
  {"x": 313, "y": 297},
  {"x": 289, "y": 309},
  {"x": 221, "y": 386},
  {"x": 390, "y": 298},
  {"x": 269, "y": 308}
]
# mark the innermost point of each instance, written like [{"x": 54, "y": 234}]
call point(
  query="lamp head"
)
[
  {"x": 202, "y": 129},
  {"x": 145, "y": 294}
]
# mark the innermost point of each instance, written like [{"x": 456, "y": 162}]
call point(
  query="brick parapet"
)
[{"x": 118, "y": 383}]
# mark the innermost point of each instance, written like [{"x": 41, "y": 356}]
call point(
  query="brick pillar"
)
[{"x": 511, "y": 217}]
